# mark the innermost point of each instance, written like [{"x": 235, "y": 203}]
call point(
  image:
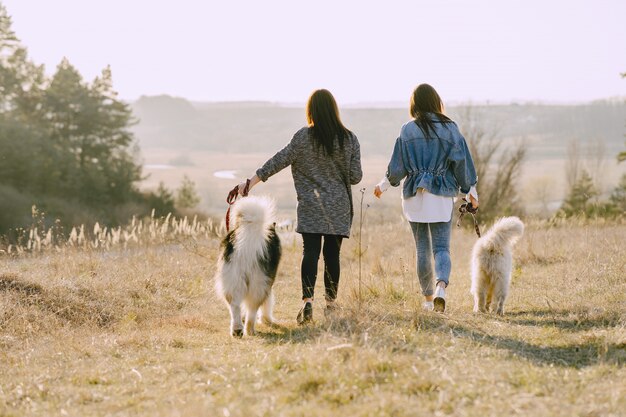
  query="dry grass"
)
[
  {"x": 139, "y": 332},
  {"x": 138, "y": 233}
]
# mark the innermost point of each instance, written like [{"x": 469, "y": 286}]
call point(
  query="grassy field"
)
[{"x": 140, "y": 332}]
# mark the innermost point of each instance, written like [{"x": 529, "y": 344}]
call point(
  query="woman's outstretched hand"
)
[
  {"x": 378, "y": 192},
  {"x": 242, "y": 187},
  {"x": 253, "y": 181}
]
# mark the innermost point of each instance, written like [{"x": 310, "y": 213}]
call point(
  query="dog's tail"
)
[
  {"x": 506, "y": 230},
  {"x": 253, "y": 211}
]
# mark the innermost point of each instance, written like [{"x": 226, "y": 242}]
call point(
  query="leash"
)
[
  {"x": 465, "y": 208},
  {"x": 232, "y": 197}
]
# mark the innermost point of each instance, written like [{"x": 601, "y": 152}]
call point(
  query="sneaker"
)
[
  {"x": 306, "y": 314},
  {"x": 428, "y": 306},
  {"x": 440, "y": 299}
]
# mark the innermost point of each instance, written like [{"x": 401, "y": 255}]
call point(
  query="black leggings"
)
[{"x": 312, "y": 247}]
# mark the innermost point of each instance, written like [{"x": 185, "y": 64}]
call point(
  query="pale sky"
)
[{"x": 363, "y": 51}]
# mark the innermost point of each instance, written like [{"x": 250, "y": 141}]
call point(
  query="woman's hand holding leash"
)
[
  {"x": 469, "y": 207},
  {"x": 240, "y": 190},
  {"x": 473, "y": 201},
  {"x": 245, "y": 187},
  {"x": 378, "y": 192}
]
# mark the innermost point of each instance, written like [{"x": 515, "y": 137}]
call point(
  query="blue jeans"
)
[{"x": 437, "y": 236}]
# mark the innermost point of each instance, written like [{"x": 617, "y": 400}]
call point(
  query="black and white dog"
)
[{"x": 248, "y": 263}]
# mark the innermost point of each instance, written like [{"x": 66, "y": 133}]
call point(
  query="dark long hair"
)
[
  {"x": 426, "y": 100},
  {"x": 325, "y": 124}
]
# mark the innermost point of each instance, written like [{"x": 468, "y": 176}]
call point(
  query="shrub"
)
[{"x": 187, "y": 197}]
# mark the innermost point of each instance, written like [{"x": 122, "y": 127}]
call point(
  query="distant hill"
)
[
  {"x": 163, "y": 110},
  {"x": 168, "y": 122}
]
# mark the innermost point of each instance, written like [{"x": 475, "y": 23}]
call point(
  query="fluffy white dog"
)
[
  {"x": 247, "y": 264},
  {"x": 492, "y": 264}
]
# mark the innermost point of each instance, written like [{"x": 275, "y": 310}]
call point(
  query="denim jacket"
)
[{"x": 441, "y": 164}]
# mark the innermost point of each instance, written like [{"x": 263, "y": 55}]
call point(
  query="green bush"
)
[{"x": 582, "y": 200}]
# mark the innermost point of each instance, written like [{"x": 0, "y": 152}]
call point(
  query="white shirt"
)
[{"x": 425, "y": 207}]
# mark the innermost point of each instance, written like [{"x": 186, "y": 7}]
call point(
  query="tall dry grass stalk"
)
[
  {"x": 139, "y": 232},
  {"x": 360, "y": 244}
]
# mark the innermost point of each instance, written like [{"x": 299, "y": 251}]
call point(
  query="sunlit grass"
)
[
  {"x": 139, "y": 232},
  {"x": 96, "y": 331}
]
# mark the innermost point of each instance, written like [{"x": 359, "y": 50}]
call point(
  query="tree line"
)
[{"x": 66, "y": 145}]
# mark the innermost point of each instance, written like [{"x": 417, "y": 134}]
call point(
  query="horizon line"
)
[{"x": 391, "y": 104}]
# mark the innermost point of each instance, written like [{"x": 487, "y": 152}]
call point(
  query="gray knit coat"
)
[{"x": 322, "y": 182}]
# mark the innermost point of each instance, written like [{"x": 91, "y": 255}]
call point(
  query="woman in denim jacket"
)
[{"x": 432, "y": 158}]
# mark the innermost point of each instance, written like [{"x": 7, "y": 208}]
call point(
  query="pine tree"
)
[
  {"x": 161, "y": 201},
  {"x": 22, "y": 149},
  {"x": 20, "y": 78},
  {"x": 579, "y": 200},
  {"x": 618, "y": 197},
  {"x": 93, "y": 127},
  {"x": 187, "y": 197}
]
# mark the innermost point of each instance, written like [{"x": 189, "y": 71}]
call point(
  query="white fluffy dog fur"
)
[
  {"x": 492, "y": 264},
  {"x": 247, "y": 264}
]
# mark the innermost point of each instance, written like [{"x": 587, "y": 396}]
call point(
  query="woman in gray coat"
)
[{"x": 325, "y": 161}]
